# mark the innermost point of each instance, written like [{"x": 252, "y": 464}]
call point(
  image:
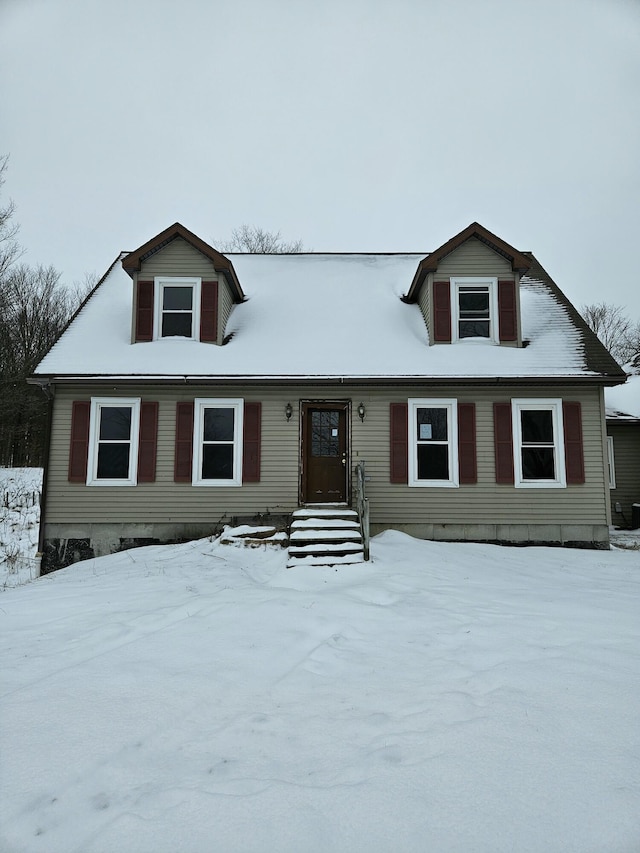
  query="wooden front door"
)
[{"x": 325, "y": 463}]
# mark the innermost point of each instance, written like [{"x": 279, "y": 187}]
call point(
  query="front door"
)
[{"x": 325, "y": 465}]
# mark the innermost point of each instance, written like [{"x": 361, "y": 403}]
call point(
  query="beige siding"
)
[
  {"x": 178, "y": 258},
  {"x": 474, "y": 257},
  {"x": 484, "y": 502},
  {"x": 626, "y": 451},
  {"x": 424, "y": 301},
  {"x": 225, "y": 306}
]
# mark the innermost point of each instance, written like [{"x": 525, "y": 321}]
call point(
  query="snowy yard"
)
[{"x": 201, "y": 697}]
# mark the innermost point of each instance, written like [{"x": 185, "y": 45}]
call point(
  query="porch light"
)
[
  {"x": 288, "y": 411},
  {"x": 361, "y": 412}
]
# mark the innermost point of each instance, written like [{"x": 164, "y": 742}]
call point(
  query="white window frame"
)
[
  {"x": 200, "y": 404},
  {"x": 553, "y": 405},
  {"x": 451, "y": 405},
  {"x": 97, "y": 404},
  {"x": 162, "y": 281},
  {"x": 491, "y": 283},
  {"x": 611, "y": 462}
]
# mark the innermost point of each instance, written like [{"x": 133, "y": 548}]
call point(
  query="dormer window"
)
[
  {"x": 178, "y": 307},
  {"x": 474, "y": 308}
]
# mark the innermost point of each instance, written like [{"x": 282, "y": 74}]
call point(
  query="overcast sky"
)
[{"x": 359, "y": 125}]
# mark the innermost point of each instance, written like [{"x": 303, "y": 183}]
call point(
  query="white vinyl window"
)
[
  {"x": 611, "y": 462},
  {"x": 474, "y": 306},
  {"x": 113, "y": 441},
  {"x": 433, "y": 442},
  {"x": 177, "y": 308},
  {"x": 217, "y": 442},
  {"x": 538, "y": 443}
]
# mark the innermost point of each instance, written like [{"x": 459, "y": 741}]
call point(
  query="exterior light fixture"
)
[
  {"x": 288, "y": 411},
  {"x": 361, "y": 412}
]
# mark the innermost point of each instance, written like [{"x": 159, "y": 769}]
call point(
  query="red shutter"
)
[
  {"x": 441, "y": 312},
  {"x": 468, "y": 472},
  {"x": 573, "y": 451},
  {"x": 184, "y": 442},
  {"x": 209, "y": 312},
  {"x": 503, "y": 438},
  {"x": 144, "y": 311},
  {"x": 507, "y": 320},
  {"x": 79, "y": 444},
  {"x": 251, "y": 442},
  {"x": 399, "y": 430},
  {"x": 147, "y": 442}
]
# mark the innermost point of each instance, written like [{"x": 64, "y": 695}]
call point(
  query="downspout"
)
[{"x": 49, "y": 392}]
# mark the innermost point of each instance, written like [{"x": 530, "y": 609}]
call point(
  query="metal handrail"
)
[{"x": 362, "y": 505}]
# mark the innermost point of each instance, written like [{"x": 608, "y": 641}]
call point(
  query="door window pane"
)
[{"x": 324, "y": 433}]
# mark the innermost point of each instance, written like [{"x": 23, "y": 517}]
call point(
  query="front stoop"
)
[{"x": 325, "y": 536}]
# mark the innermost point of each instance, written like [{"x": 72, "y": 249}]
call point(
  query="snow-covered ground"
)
[
  {"x": 200, "y": 697},
  {"x": 19, "y": 520}
]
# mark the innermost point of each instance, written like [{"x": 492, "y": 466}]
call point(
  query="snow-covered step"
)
[
  {"x": 325, "y": 536},
  {"x": 325, "y": 547},
  {"x": 325, "y": 533},
  {"x": 331, "y": 512},
  {"x": 324, "y": 523},
  {"x": 325, "y": 560}
]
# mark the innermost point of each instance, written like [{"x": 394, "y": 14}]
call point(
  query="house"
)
[
  {"x": 460, "y": 388},
  {"x": 623, "y": 447}
]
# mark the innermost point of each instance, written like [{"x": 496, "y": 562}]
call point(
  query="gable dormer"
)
[
  {"x": 182, "y": 288},
  {"x": 468, "y": 289}
]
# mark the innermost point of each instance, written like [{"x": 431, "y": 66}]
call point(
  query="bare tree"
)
[
  {"x": 10, "y": 249},
  {"x": 34, "y": 309},
  {"x": 614, "y": 327},
  {"x": 250, "y": 238}
]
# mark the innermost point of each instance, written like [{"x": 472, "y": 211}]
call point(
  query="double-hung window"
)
[
  {"x": 178, "y": 307},
  {"x": 538, "y": 443},
  {"x": 217, "y": 442},
  {"x": 475, "y": 308},
  {"x": 433, "y": 435},
  {"x": 113, "y": 441}
]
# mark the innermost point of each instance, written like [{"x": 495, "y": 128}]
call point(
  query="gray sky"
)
[{"x": 360, "y": 125}]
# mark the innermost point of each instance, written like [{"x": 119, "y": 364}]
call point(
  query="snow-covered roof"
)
[
  {"x": 319, "y": 316},
  {"x": 623, "y": 401}
]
